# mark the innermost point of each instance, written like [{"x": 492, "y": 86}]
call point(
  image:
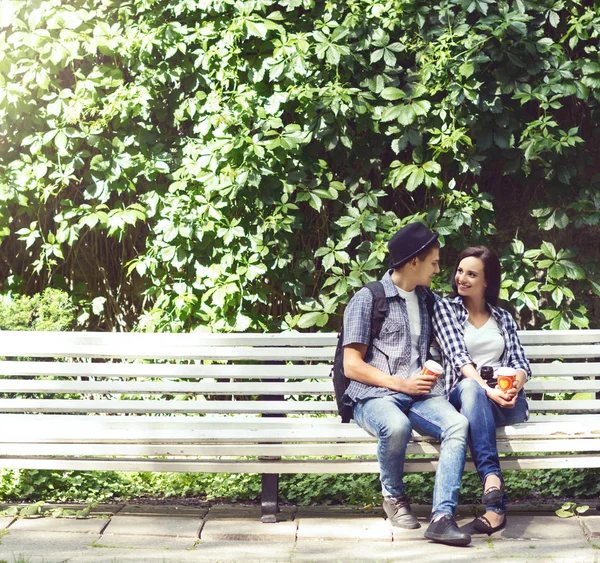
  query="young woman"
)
[{"x": 472, "y": 332}]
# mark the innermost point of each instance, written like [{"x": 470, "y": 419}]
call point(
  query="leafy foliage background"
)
[{"x": 240, "y": 165}]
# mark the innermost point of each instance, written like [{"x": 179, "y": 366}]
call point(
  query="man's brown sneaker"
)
[{"x": 399, "y": 513}]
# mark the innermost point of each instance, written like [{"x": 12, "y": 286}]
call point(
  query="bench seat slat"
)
[
  {"x": 281, "y": 466},
  {"x": 163, "y": 406},
  {"x": 286, "y": 449},
  {"x": 539, "y": 425},
  {"x": 145, "y": 429},
  {"x": 591, "y": 406},
  {"x": 269, "y": 407}
]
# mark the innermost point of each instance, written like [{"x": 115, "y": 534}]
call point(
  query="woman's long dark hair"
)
[{"x": 491, "y": 271}]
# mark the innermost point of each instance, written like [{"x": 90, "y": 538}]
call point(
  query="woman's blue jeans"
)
[
  {"x": 484, "y": 417},
  {"x": 391, "y": 420}
]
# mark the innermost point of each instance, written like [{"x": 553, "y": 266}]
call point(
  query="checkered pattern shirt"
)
[
  {"x": 391, "y": 351},
  {"x": 449, "y": 319}
]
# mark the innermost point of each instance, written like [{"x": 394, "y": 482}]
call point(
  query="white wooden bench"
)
[{"x": 247, "y": 403}]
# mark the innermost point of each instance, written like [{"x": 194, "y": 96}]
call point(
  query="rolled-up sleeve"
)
[{"x": 449, "y": 334}]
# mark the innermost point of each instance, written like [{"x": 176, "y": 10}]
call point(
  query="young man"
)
[{"x": 388, "y": 394}]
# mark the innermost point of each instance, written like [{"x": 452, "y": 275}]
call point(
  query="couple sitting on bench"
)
[{"x": 391, "y": 394}]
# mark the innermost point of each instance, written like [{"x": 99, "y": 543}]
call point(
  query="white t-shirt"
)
[
  {"x": 485, "y": 344},
  {"x": 414, "y": 317}
]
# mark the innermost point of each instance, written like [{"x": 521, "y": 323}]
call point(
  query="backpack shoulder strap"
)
[
  {"x": 430, "y": 302},
  {"x": 379, "y": 308}
]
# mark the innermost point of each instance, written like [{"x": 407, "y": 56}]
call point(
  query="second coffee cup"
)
[{"x": 506, "y": 378}]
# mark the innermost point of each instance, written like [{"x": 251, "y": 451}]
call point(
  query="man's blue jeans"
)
[
  {"x": 391, "y": 420},
  {"x": 484, "y": 417}
]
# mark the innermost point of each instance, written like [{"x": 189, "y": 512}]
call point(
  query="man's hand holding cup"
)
[{"x": 423, "y": 382}]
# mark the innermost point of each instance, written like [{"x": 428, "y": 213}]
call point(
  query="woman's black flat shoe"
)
[
  {"x": 492, "y": 495},
  {"x": 482, "y": 525}
]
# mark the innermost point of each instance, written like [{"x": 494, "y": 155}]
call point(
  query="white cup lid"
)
[{"x": 505, "y": 370}]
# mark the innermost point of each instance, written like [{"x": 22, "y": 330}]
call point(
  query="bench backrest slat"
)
[
  {"x": 164, "y": 370},
  {"x": 168, "y": 388},
  {"x": 320, "y": 339},
  {"x": 202, "y": 373}
]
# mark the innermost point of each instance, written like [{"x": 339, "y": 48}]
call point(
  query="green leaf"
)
[
  {"x": 60, "y": 140},
  {"x": 553, "y": 18},
  {"x": 392, "y": 94},
  {"x": 548, "y": 250},
  {"x": 406, "y": 115},
  {"x": 560, "y": 322},
  {"x": 415, "y": 179},
  {"x": 591, "y": 68},
  {"x": 328, "y": 261},
  {"x": 256, "y": 29},
  {"x": 377, "y": 55},
  {"x": 557, "y": 270},
  {"x": 561, "y": 219},
  {"x": 421, "y": 107},
  {"x": 308, "y": 320},
  {"x": 518, "y": 27},
  {"x": 572, "y": 270},
  {"x": 332, "y": 55},
  {"x": 541, "y": 211},
  {"x": 391, "y": 113},
  {"x": 557, "y": 296},
  {"x": 389, "y": 57},
  {"x": 466, "y": 69}
]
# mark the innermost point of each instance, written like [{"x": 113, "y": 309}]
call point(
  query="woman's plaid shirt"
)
[{"x": 449, "y": 319}]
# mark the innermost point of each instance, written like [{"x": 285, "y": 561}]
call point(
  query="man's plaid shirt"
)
[
  {"x": 390, "y": 352},
  {"x": 449, "y": 319}
]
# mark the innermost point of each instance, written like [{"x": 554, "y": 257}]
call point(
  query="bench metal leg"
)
[
  {"x": 270, "y": 497},
  {"x": 270, "y": 481}
]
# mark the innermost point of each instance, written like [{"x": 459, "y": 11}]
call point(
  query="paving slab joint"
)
[
  {"x": 200, "y": 527},
  {"x": 108, "y": 520},
  {"x": 10, "y": 523}
]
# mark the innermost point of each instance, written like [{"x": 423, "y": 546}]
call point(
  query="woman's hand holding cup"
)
[{"x": 506, "y": 377}]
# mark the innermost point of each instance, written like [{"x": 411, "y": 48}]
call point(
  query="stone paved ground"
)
[{"x": 151, "y": 533}]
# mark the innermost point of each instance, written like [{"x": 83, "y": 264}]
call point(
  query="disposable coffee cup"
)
[
  {"x": 431, "y": 367},
  {"x": 506, "y": 378}
]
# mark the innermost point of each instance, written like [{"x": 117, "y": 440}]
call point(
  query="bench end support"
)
[{"x": 270, "y": 498}]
